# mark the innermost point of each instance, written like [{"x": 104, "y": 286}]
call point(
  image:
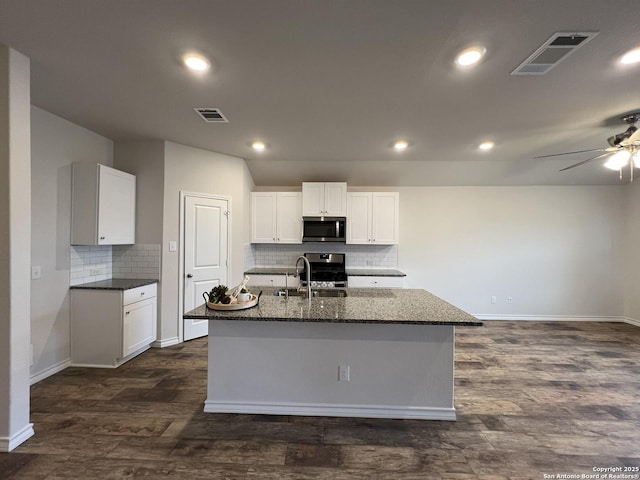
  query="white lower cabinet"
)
[
  {"x": 256, "y": 280},
  {"x": 375, "y": 282},
  {"x": 109, "y": 327}
]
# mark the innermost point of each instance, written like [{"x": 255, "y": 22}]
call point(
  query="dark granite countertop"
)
[
  {"x": 271, "y": 271},
  {"x": 362, "y": 305},
  {"x": 115, "y": 284},
  {"x": 375, "y": 272},
  {"x": 364, "y": 272}
]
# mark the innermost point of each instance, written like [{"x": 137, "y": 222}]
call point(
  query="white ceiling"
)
[{"x": 330, "y": 84}]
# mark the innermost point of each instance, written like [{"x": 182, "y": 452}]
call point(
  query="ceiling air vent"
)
[
  {"x": 552, "y": 52},
  {"x": 211, "y": 115}
]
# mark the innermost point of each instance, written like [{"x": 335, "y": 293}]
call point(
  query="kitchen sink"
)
[{"x": 320, "y": 292}]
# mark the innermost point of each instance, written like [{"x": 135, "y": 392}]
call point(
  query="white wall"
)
[
  {"x": 554, "y": 250},
  {"x": 632, "y": 252},
  {"x": 195, "y": 170},
  {"x": 55, "y": 145},
  {"x": 145, "y": 160},
  {"x": 15, "y": 237}
]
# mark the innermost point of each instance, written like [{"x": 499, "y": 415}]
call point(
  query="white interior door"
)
[{"x": 205, "y": 255}]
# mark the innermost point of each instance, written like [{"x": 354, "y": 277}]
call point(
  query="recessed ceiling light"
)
[
  {"x": 196, "y": 62},
  {"x": 484, "y": 146},
  {"x": 470, "y": 56},
  {"x": 400, "y": 145},
  {"x": 632, "y": 56},
  {"x": 258, "y": 146}
]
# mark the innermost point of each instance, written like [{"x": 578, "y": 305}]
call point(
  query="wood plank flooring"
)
[{"x": 532, "y": 399}]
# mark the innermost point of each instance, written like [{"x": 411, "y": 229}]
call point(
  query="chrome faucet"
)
[{"x": 308, "y": 267}]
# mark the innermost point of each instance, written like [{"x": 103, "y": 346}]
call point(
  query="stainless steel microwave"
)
[{"x": 324, "y": 229}]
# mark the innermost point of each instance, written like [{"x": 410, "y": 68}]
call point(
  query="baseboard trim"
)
[
  {"x": 52, "y": 370},
  {"x": 167, "y": 342},
  {"x": 330, "y": 410},
  {"x": 9, "y": 443},
  {"x": 631, "y": 321},
  {"x": 549, "y": 318}
]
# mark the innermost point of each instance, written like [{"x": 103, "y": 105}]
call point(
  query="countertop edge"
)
[
  {"x": 357, "y": 272},
  {"x": 124, "y": 284},
  {"x": 324, "y": 320}
]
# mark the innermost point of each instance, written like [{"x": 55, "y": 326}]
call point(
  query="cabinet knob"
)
[
  {"x": 189, "y": 275},
  {"x": 142, "y": 294},
  {"x": 102, "y": 238},
  {"x": 127, "y": 313}
]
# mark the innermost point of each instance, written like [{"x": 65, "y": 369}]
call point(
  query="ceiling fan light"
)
[{"x": 618, "y": 160}]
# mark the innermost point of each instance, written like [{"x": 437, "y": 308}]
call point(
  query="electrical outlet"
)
[
  {"x": 509, "y": 299},
  {"x": 36, "y": 273},
  {"x": 494, "y": 299},
  {"x": 344, "y": 373},
  {"x": 173, "y": 246}
]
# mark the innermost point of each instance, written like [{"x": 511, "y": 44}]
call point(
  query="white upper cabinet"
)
[
  {"x": 373, "y": 218},
  {"x": 263, "y": 217},
  {"x": 103, "y": 205},
  {"x": 324, "y": 199},
  {"x": 276, "y": 217},
  {"x": 289, "y": 217}
]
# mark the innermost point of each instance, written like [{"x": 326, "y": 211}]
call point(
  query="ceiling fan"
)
[{"x": 624, "y": 149}]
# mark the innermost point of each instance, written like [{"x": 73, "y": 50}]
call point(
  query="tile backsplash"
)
[
  {"x": 90, "y": 263},
  {"x": 356, "y": 256},
  {"x": 102, "y": 262},
  {"x": 136, "y": 261}
]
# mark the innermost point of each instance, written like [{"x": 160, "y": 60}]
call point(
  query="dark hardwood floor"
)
[{"x": 532, "y": 399}]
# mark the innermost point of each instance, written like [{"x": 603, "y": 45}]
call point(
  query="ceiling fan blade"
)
[
  {"x": 584, "y": 161},
  {"x": 571, "y": 153}
]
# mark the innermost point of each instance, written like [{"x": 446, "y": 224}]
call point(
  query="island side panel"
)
[{"x": 396, "y": 371}]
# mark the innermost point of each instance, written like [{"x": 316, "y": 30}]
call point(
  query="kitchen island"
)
[{"x": 386, "y": 353}]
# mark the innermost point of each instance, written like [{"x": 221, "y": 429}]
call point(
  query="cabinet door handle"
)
[
  {"x": 142, "y": 294},
  {"x": 102, "y": 238},
  {"x": 127, "y": 313},
  {"x": 189, "y": 275}
]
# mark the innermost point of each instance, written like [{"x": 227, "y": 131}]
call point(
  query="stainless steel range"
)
[{"x": 327, "y": 270}]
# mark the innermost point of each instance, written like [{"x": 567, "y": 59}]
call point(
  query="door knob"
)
[{"x": 189, "y": 275}]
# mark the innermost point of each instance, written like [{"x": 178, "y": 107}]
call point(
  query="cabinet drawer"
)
[
  {"x": 273, "y": 280},
  {"x": 140, "y": 293},
  {"x": 375, "y": 282}
]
